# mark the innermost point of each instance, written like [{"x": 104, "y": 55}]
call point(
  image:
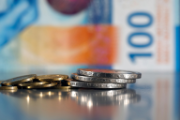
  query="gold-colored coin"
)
[
  {"x": 62, "y": 87},
  {"x": 8, "y": 88},
  {"x": 17, "y": 80},
  {"x": 42, "y": 86},
  {"x": 50, "y": 85},
  {"x": 32, "y": 84},
  {"x": 68, "y": 83},
  {"x": 56, "y": 77}
]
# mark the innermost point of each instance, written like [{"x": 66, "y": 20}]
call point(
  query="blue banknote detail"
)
[
  {"x": 177, "y": 33},
  {"x": 177, "y": 65},
  {"x": 100, "y": 12},
  {"x": 16, "y": 16}
]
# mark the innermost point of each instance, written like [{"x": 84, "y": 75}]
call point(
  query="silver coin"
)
[
  {"x": 96, "y": 85},
  {"x": 101, "y": 80},
  {"x": 119, "y": 74}
]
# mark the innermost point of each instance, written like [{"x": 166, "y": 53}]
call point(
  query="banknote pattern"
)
[{"x": 58, "y": 34}]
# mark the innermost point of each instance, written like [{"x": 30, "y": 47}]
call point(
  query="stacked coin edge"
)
[{"x": 103, "y": 79}]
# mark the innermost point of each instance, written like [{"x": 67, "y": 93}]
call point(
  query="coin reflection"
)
[
  {"x": 76, "y": 102},
  {"x": 91, "y": 98}
]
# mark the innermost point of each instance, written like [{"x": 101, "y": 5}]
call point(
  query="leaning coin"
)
[
  {"x": 100, "y": 79},
  {"x": 97, "y": 85},
  {"x": 32, "y": 84},
  {"x": 56, "y": 77},
  {"x": 20, "y": 79},
  {"x": 120, "y": 74},
  {"x": 8, "y": 88},
  {"x": 49, "y": 85}
]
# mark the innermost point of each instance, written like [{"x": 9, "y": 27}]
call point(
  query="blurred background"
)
[
  {"x": 63, "y": 35},
  {"x": 59, "y": 36}
]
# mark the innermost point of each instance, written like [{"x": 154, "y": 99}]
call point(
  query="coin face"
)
[
  {"x": 17, "y": 80},
  {"x": 8, "y": 88},
  {"x": 100, "y": 79},
  {"x": 96, "y": 85},
  {"x": 119, "y": 74},
  {"x": 57, "y": 77}
]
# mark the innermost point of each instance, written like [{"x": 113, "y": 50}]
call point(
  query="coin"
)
[
  {"x": 42, "y": 86},
  {"x": 57, "y": 77},
  {"x": 101, "y": 80},
  {"x": 96, "y": 85},
  {"x": 17, "y": 80},
  {"x": 120, "y": 74},
  {"x": 32, "y": 84},
  {"x": 8, "y": 88},
  {"x": 62, "y": 87}
]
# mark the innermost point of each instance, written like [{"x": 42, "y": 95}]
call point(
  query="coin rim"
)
[
  {"x": 52, "y": 84},
  {"x": 8, "y": 88},
  {"x": 132, "y": 75},
  {"x": 63, "y": 77},
  {"x": 29, "y": 79},
  {"x": 96, "y": 85},
  {"x": 100, "y": 79},
  {"x": 32, "y": 84}
]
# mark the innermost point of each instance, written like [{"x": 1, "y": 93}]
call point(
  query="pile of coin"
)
[
  {"x": 103, "y": 79},
  {"x": 84, "y": 78},
  {"x": 36, "y": 82}
]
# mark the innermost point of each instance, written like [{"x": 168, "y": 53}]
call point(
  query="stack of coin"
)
[
  {"x": 103, "y": 78},
  {"x": 33, "y": 81}
]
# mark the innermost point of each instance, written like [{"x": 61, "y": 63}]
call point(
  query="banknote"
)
[{"x": 64, "y": 35}]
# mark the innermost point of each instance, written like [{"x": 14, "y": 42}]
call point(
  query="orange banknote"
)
[{"x": 90, "y": 45}]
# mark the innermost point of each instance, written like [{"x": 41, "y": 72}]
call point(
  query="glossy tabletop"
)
[{"x": 153, "y": 97}]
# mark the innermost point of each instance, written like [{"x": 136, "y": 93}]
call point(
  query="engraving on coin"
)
[{"x": 96, "y": 85}]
